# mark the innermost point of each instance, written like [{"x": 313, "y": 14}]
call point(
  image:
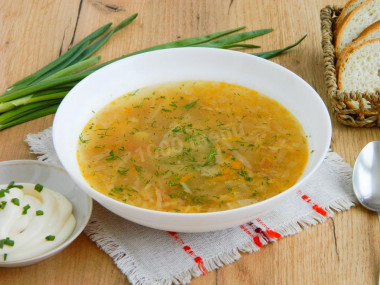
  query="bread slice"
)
[
  {"x": 370, "y": 33},
  {"x": 347, "y": 9},
  {"x": 359, "y": 19},
  {"x": 360, "y": 68}
]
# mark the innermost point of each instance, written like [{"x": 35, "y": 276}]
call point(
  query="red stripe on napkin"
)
[
  {"x": 271, "y": 233},
  {"x": 188, "y": 250},
  {"x": 255, "y": 238},
  {"x": 259, "y": 231},
  {"x": 315, "y": 206}
]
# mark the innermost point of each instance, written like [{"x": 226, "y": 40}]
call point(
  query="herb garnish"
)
[
  {"x": 82, "y": 140},
  {"x": 50, "y": 238},
  {"x": 112, "y": 156},
  {"x": 191, "y": 105},
  {"x": 7, "y": 241},
  {"x": 25, "y": 209},
  {"x": 173, "y": 104},
  {"x": 3, "y": 204},
  {"x": 123, "y": 171},
  {"x": 211, "y": 156},
  {"x": 13, "y": 185},
  {"x": 138, "y": 168},
  {"x": 10, "y": 185},
  {"x": 38, "y": 187},
  {"x": 2, "y": 192},
  {"x": 244, "y": 174}
]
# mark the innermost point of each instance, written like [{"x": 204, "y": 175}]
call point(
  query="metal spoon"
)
[{"x": 366, "y": 177}]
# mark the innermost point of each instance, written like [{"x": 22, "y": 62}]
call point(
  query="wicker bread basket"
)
[{"x": 354, "y": 109}]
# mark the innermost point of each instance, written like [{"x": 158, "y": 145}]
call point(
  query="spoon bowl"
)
[{"x": 366, "y": 176}]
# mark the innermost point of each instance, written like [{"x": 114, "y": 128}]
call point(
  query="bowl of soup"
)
[{"x": 191, "y": 139}]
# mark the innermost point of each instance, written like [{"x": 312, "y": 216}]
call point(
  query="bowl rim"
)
[
  {"x": 163, "y": 214},
  {"x": 73, "y": 236}
]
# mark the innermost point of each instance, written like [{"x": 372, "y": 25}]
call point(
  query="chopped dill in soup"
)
[{"x": 192, "y": 147}]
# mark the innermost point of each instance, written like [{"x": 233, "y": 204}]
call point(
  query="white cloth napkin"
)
[{"x": 148, "y": 256}]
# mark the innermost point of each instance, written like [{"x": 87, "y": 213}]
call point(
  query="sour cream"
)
[{"x": 33, "y": 221}]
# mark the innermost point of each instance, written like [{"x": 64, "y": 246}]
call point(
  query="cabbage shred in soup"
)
[{"x": 192, "y": 147}]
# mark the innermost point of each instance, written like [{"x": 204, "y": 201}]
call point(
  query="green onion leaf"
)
[
  {"x": 40, "y": 93},
  {"x": 75, "y": 68},
  {"x": 87, "y": 40},
  {"x": 180, "y": 43},
  {"x": 227, "y": 41},
  {"x": 28, "y": 116},
  {"x": 98, "y": 44},
  {"x": 273, "y": 53}
]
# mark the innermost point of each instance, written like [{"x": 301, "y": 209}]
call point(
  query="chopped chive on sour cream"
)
[{"x": 22, "y": 206}]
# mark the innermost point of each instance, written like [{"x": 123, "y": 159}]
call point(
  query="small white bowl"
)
[
  {"x": 57, "y": 179},
  {"x": 169, "y": 65}
]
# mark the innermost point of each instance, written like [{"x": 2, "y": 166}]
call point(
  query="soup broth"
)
[{"x": 192, "y": 147}]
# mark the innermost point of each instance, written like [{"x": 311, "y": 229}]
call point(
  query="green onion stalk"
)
[{"x": 40, "y": 93}]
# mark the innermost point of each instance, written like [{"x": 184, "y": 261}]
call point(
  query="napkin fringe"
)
[
  {"x": 123, "y": 261},
  {"x": 291, "y": 228},
  {"x": 213, "y": 263},
  {"x": 340, "y": 204},
  {"x": 314, "y": 218},
  {"x": 128, "y": 266},
  {"x": 39, "y": 146}
]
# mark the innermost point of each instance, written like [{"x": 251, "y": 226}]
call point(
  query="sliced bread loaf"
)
[
  {"x": 350, "y": 5},
  {"x": 359, "y": 19},
  {"x": 372, "y": 32},
  {"x": 360, "y": 68}
]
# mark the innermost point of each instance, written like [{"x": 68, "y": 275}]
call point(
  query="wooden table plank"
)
[{"x": 344, "y": 250}]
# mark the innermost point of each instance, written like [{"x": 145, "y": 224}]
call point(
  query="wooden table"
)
[{"x": 344, "y": 250}]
